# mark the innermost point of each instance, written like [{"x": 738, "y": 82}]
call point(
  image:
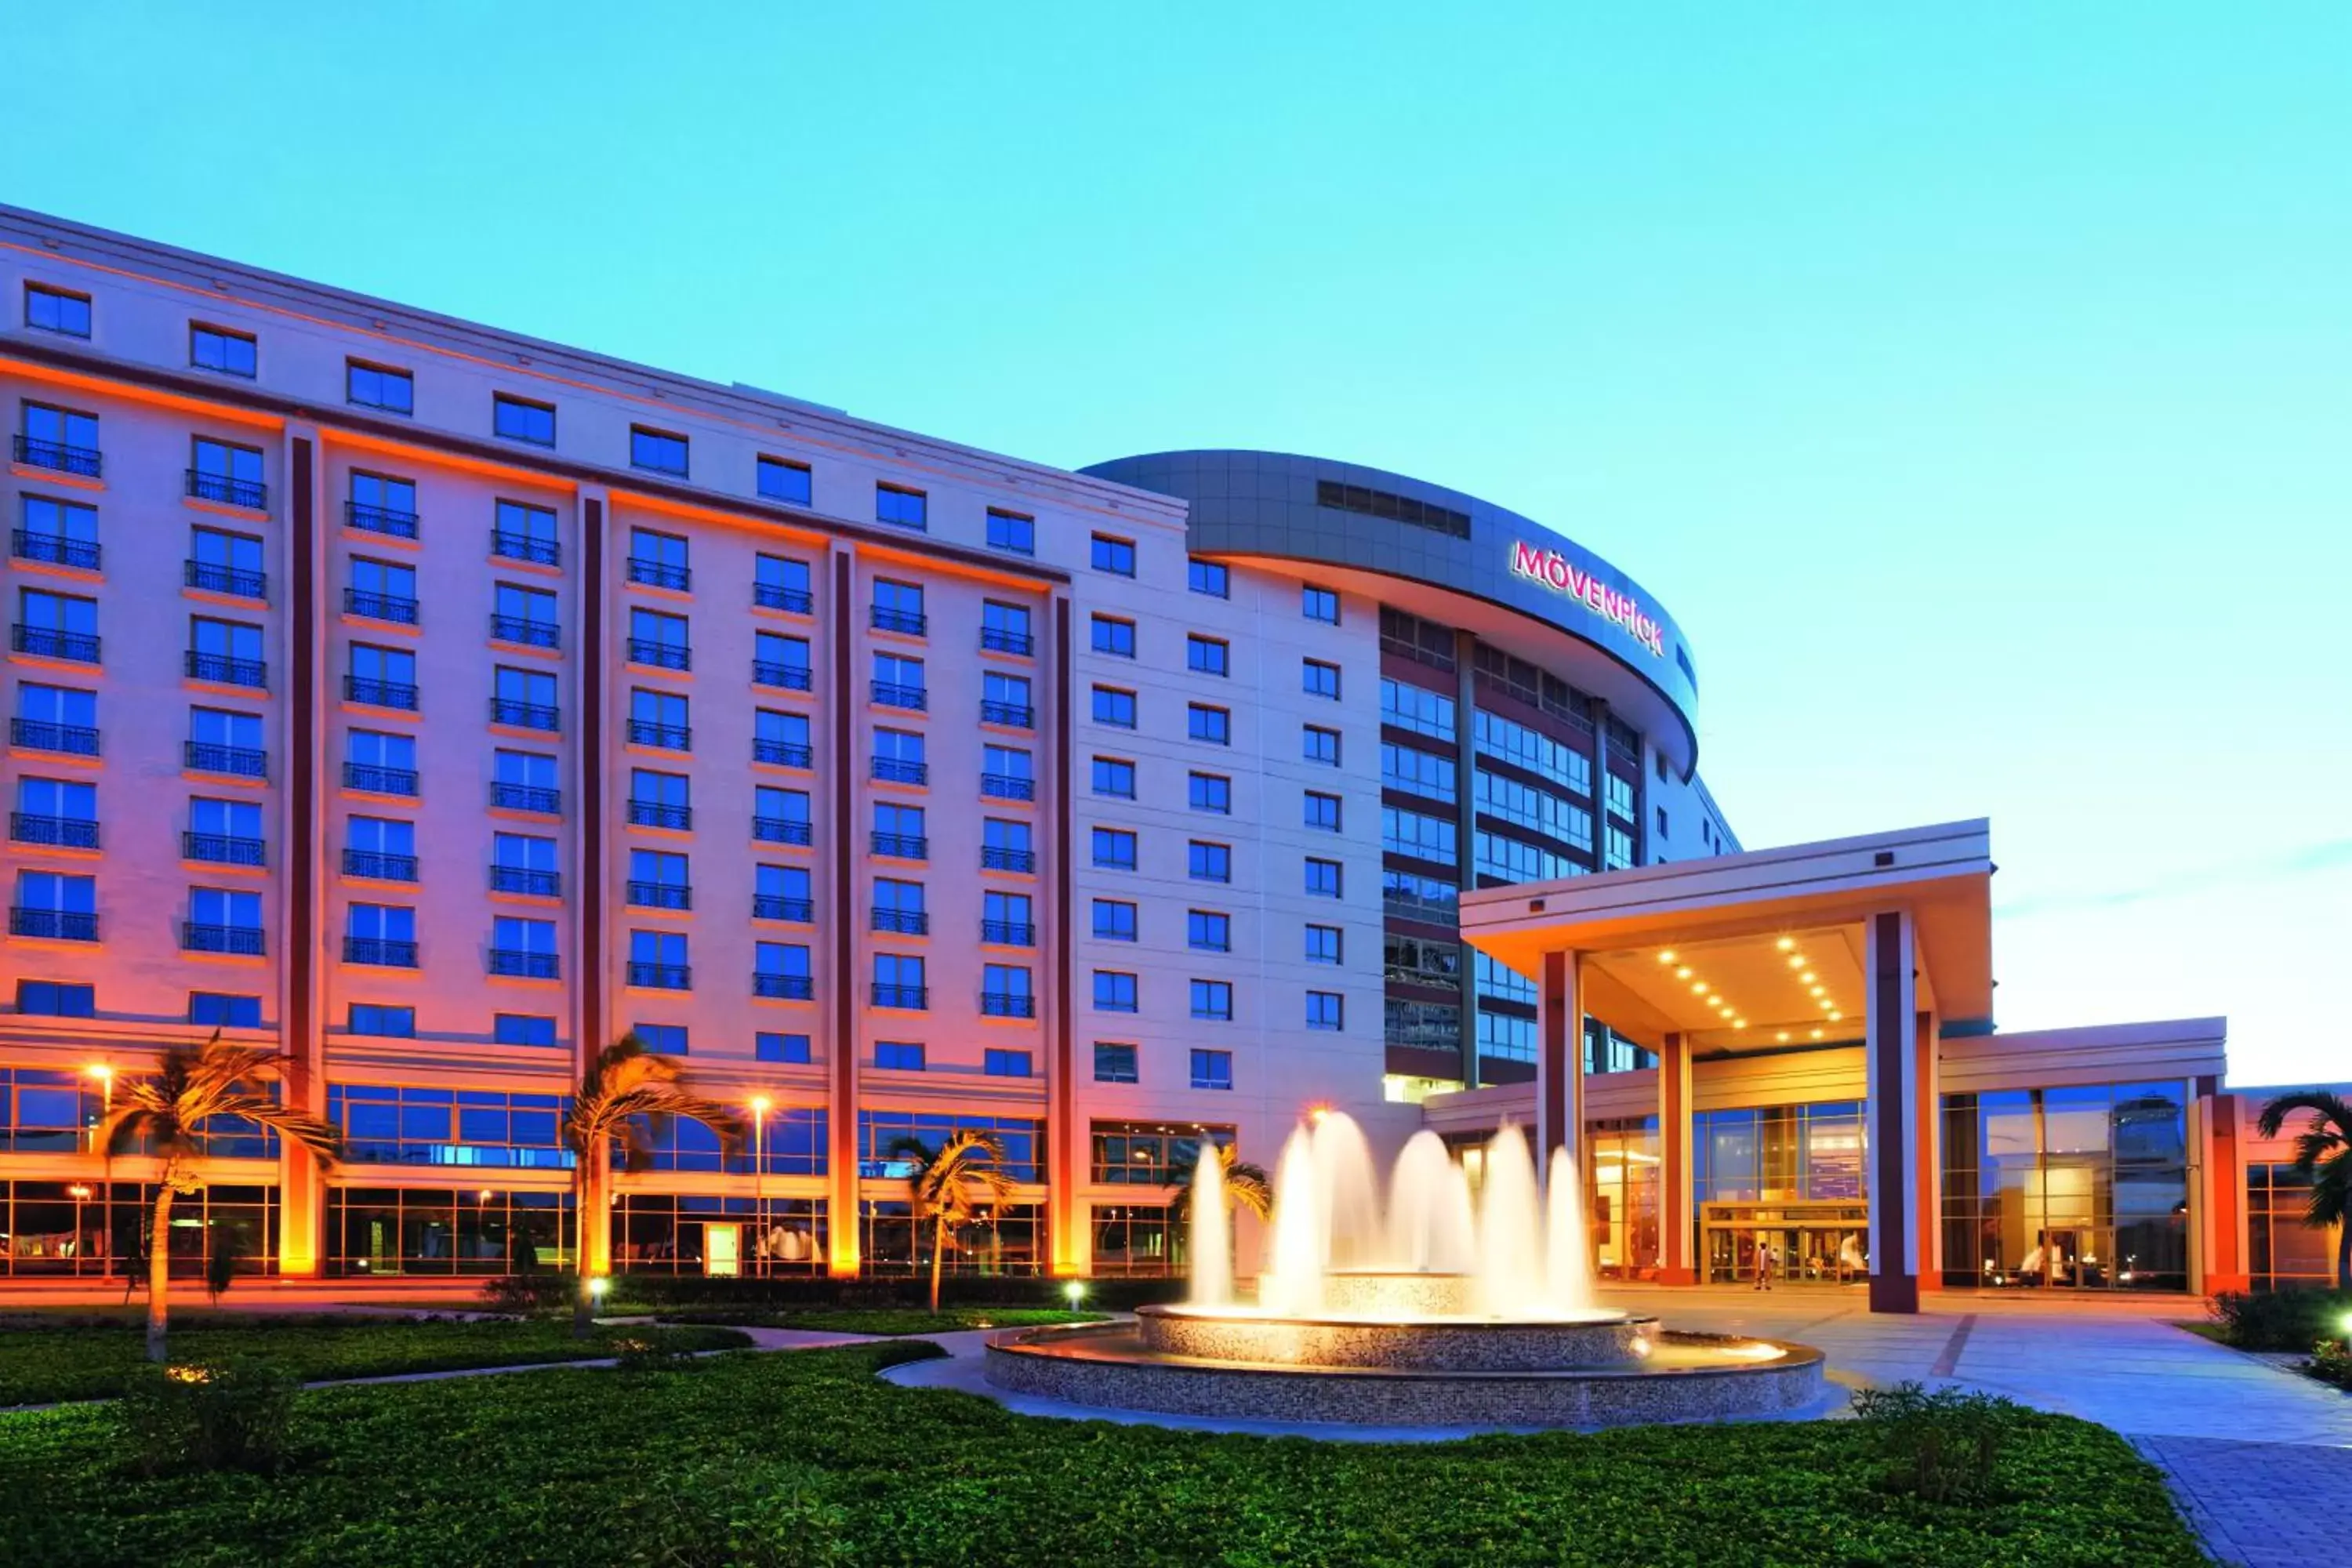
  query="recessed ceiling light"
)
[
  {"x": 1787, "y": 942},
  {"x": 1817, "y": 1034},
  {"x": 1698, "y": 987},
  {"x": 1807, "y": 978},
  {"x": 1796, "y": 961},
  {"x": 1837, "y": 1017},
  {"x": 1821, "y": 990},
  {"x": 1739, "y": 1023},
  {"x": 1666, "y": 955},
  {"x": 1784, "y": 1034}
]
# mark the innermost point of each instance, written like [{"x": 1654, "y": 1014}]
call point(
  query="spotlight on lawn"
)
[
  {"x": 1075, "y": 1291},
  {"x": 598, "y": 1286}
]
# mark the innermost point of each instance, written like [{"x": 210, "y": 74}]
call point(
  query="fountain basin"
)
[
  {"x": 1685, "y": 1377},
  {"x": 1424, "y": 1344}
]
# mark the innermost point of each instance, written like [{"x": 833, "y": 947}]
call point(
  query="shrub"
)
[
  {"x": 2331, "y": 1361},
  {"x": 552, "y": 1294},
  {"x": 2280, "y": 1320},
  {"x": 1945, "y": 1444},
  {"x": 650, "y": 1353},
  {"x": 222, "y": 1415}
]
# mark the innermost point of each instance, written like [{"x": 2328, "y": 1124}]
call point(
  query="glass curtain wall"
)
[
  {"x": 2284, "y": 1253},
  {"x": 1625, "y": 1187}
]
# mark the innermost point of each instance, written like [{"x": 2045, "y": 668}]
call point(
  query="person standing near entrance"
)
[{"x": 1763, "y": 1264}]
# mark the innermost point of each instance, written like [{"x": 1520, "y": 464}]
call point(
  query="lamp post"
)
[
  {"x": 80, "y": 1196},
  {"x": 760, "y": 1103}
]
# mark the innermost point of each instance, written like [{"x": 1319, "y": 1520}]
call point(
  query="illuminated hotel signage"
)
[{"x": 1556, "y": 572}]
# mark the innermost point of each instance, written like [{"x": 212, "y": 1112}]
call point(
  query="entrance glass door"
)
[{"x": 722, "y": 1249}]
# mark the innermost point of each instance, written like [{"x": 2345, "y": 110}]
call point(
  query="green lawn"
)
[
  {"x": 45, "y": 1358},
  {"x": 894, "y": 1321},
  {"x": 805, "y": 1459}
]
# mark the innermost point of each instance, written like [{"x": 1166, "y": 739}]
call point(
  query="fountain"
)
[{"x": 1437, "y": 1309}]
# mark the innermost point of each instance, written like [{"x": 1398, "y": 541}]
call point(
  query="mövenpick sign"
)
[{"x": 1555, "y": 572}]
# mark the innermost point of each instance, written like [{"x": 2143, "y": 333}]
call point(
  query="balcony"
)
[
  {"x": 544, "y": 800},
  {"x": 381, "y": 520},
  {"x": 776, "y": 907},
  {"x": 215, "y": 577},
  {"x": 655, "y": 814},
  {"x": 661, "y": 977},
  {"x": 199, "y": 936},
  {"x": 372, "y": 692},
  {"x": 891, "y": 770},
  {"x": 783, "y": 754},
  {"x": 660, "y": 655},
  {"x": 54, "y": 925},
  {"x": 1007, "y": 1005},
  {"x": 911, "y": 998},
  {"x": 997, "y": 639},
  {"x": 995, "y": 859},
  {"x": 227, "y": 669},
  {"x": 372, "y": 778},
  {"x": 233, "y": 762},
  {"x": 380, "y": 951},
  {"x": 1008, "y": 786},
  {"x": 377, "y": 607},
  {"x": 517, "y": 714},
  {"x": 224, "y": 849},
  {"x": 526, "y": 880},
  {"x": 524, "y": 630},
  {"x": 660, "y": 736},
  {"x": 905, "y": 623},
  {"x": 521, "y": 966},
  {"x": 646, "y": 895},
  {"x": 892, "y": 694},
  {"x": 81, "y": 461},
  {"x": 659, "y": 574},
  {"x": 377, "y": 866},
  {"x": 55, "y": 549},
  {"x": 791, "y": 601},
  {"x": 902, "y": 922},
  {"x": 780, "y": 830},
  {"x": 525, "y": 547},
  {"x": 227, "y": 490},
  {"x": 782, "y": 677},
  {"x": 43, "y": 735},
  {"x": 1009, "y": 933},
  {"x": 1010, "y": 715},
  {"x": 787, "y": 987},
  {"x": 48, "y": 642},
  {"x": 902, "y": 845},
  {"x": 53, "y": 832}
]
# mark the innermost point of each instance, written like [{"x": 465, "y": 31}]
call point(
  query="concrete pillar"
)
[
  {"x": 1676, "y": 1164},
  {"x": 1929, "y": 1174},
  {"x": 1560, "y": 1078},
  {"x": 1891, "y": 1114},
  {"x": 2217, "y": 1196}
]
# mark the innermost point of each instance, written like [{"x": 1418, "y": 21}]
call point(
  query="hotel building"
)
[{"x": 433, "y": 705}]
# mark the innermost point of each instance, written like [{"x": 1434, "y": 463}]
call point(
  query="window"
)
[
  {"x": 61, "y": 719},
  {"x": 1115, "y": 777},
  {"x": 998, "y": 1063},
  {"x": 1114, "y": 637},
  {"x": 375, "y": 762},
  {"x": 1004, "y": 628},
  {"x": 1008, "y": 919},
  {"x": 1321, "y": 812},
  {"x": 1416, "y": 771},
  {"x": 56, "y": 999},
  {"x": 1319, "y": 605},
  {"x": 1114, "y": 707},
  {"x": 524, "y": 698},
  {"x": 1211, "y": 862},
  {"x": 899, "y": 757},
  {"x": 1210, "y": 577},
  {"x": 1005, "y": 846},
  {"x": 657, "y": 959},
  {"x": 523, "y": 1029},
  {"x": 383, "y": 591},
  {"x": 659, "y": 560},
  {"x": 898, "y": 1056},
  {"x": 1386, "y": 503},
  {"x": 228, "y": 653},
  {"x": 1214, "y": 726},
  {"x": 63, "y": 908},
  {"x": 1012, "y": 532},
  {"x": 792, "y": 1050},
  {"x": 1114, "y": 849},
  {"x": 1662, "y": 822},
  {"x": 1318, "y": 678},
  {"x": 525, "y": 533},
  {"x": 660, "y": 800},
  {"x": 222, "y": 1010},
  {"x": 1420, "y": 835},
  {"x": 1116, "y": 1064},
  {"x": 781, "y": 662},
  {"x": 1207, "y": 930},
  {"x": 379, "y": 848},
  {"x": 216, "y": 348},
  {"x": 1212, "y": 1070},
  {"x": 525, "y": 781},
  {"x": 657, "y": 450},
  {"x": 378, "y": 1018},
  {"x": 784, "y": 893},
  {"x": 907, "y": 509},
  {"x": 222, "y": 562},
  {"x": 1617, "y": 850},
  {"x": 659, "y": 880},
  {"x": 379, "y": 386},
  {"x": 659, "y": 719},
  {"x": 61, "y": 439},
  {"x": 899, "y": 682},
  {"x": 781, "y": 583},
  {"x": 899, "y": 981},
  {"x": 1618, "y": 791},
  {"x": 56, "y": 625},
  {"x": 1322, "y": 878},
  {"x": 1322, "y": 945},
  {"x": 524, "y": 863},
  {"x": 660, "y": 638},
  {"x": 379, "y": 935},
  {"x": 1114, "y": 991},
  {"x": 1213, "y": 1000},
  {"x": 1325, "y": 1010},
  {"x": 1114, "y": 920},
  {"x": 1211, "y": 792},
  {"x": 662, "y": 1039},
  {"x": 1008, "y": 773},
  {"x": 62, "y": 533},
  {"x": 899, "y": 831},
  {"x": 60, "y": 812},
  {"x": 898, "y": 907},
  {"x": 779, "y": 480},
  {"x": 230, "y": 475},
  {"x": 524, "y": 615},
  {"x": 1004, "y": 700},
  {"x": 780, "y": 815},
  {"x": 1004, "y": 991},
  {"x": 519, "y": 419},
  {"x": 781, "y": 970},
  {"x": 383, "y": 677},
  {"x": 1318, "y": 744},
  {"x": 898, "y": 607},
  {"x": 54, "y": 310},
  {"x": 1116, "y": 556},
  {"x": 1207, "y": 656}
]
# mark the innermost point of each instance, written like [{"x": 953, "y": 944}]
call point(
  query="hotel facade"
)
[{"x": 431, "y": 705}]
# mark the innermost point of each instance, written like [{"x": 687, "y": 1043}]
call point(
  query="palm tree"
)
[
  {"x": 951, "y": 1186},
  {"x": 197, "y": 1084},
  {"x": 624, "y": 1099},
  {"x": 1245, "y": 1184},
  {"x": 2322, "y": 1156}
]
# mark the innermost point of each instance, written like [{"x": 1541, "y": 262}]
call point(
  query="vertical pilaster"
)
[
  {"x": 301, "y": 1187},
  {"x": 840, "y": 809},
  {"x": 1928, "y": 1168},
  {"x": 1559, "y": 1078},
  {"x": 1675, "y": 1166},
  {"x": 1890, "y": 1058},
  {"x": 1065, "y": 1156},
  {"x": 592, "y": 961},
  {"x": 2217, "y": 1195},
  {"x": 1465, "y": 826}
]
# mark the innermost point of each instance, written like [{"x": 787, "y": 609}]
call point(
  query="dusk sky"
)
[{"x": 1974, "y": 386}]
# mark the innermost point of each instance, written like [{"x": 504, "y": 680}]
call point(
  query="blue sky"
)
[{"x": 1974, "y": 385}]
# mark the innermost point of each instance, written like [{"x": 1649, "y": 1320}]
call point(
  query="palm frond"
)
[{"x": 2331, "y": 1113}]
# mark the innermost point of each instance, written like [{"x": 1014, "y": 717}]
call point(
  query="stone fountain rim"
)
[{"x": 1474, "y": 1325}]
